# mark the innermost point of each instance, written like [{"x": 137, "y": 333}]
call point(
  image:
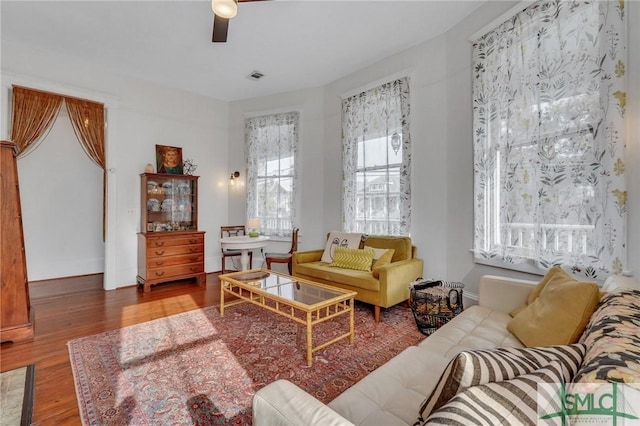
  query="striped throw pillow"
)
[
  {"x": 519, "y": 401},
  {"x": 349, "y": 258},
  {"x": 471, "y": 368}
]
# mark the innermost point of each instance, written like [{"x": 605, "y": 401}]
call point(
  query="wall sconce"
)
[{"x": 235, "y": 175}]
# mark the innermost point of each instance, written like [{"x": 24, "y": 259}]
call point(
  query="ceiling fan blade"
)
[{"x": 220, "y": 28}]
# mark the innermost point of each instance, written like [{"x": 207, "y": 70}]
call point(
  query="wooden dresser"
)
[
  {"x": 16, "y": 322},
  {"x": 171, "y": 256},
  {"x": 170, "y": 247}
]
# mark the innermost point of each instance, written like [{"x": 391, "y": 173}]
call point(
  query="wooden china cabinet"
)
[
  {"x": 170, "y": 247},
  {"x": 16, "y": 317}
]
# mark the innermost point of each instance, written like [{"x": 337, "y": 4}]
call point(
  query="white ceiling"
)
[{"x": 297, "y": 44}]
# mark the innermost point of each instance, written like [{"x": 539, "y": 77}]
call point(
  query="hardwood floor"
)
[{"x": 69, "y": 308}]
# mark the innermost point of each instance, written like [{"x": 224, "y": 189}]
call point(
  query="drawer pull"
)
[
  {"x": 159, "y": 263},
  {"x": 194, "y": 250},
  {"x": 194, "y": 258},
  {"x": 159, "y": 243},
  {"x": 193, "y": 269},
  {"x": 159, "y": 253},
  {"x": 159, "y": 274},
  {"x": 193, "y": 241}
]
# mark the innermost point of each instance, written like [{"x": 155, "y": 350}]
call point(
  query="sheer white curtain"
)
[
  {"x": 549, "y": 103},
  {"x": 376, "y": 155},
  {"x": 272, "y": 177}
]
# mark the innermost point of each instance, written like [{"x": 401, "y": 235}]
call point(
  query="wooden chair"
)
[
  {"x": 284, "y": 257},
  {"x": 233, "y": 231}
]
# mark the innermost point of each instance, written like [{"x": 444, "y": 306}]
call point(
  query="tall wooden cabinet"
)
[
  {"x": 16, "y": 322},
  {"x": 170, "y": 247}
]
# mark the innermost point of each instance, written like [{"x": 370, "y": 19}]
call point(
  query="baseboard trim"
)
[
  {"x": 68, "y": 285},
  {"x": 471, "y": 298}
]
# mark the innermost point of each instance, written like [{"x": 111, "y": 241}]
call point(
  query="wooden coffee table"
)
[{"x": 303, "y": 301}]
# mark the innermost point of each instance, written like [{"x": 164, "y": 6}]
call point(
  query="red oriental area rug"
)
[{"x": 200, "y": 368}]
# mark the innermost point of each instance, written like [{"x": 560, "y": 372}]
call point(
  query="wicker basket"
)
[{"x": 435, "y": 303}]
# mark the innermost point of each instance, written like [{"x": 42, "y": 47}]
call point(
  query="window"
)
[
  {"x": 271, "y": 177},
  {"x": 376, "y": 160},
  {"x": 548, "y": 115}
]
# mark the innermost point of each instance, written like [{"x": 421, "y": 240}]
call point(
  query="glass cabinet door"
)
[{"x": 168, "y": 203}]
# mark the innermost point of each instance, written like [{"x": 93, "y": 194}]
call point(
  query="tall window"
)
[
  {"x": 271, "y": 177},
  {"x": 549, "y": 102},
  {"x": 376, "y": 193}
]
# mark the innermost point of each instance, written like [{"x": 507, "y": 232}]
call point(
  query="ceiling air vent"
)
[{"x": 255, "y": 75}]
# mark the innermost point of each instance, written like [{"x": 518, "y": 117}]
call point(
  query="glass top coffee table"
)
[{"x": 303, "y": 301}]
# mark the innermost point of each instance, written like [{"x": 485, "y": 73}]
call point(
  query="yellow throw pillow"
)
[
  {"x": 349, "y": 258},
  {"x": 383, "y": 260},
  {"x": 556, "y": 271},
  {"x": 516, "y": 311},
  {"x": 559, "y": 315}
]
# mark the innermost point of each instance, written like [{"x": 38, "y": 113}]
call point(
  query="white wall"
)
[
  {"x": 425, "y": 64},
  {"x": 441, "y": 132},
  {"x": 442, "y": 173},
  {"x": 144, "y": 115}
]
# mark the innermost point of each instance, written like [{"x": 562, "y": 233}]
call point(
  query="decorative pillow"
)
[
  {"x": 552, "y": 273},
  {"x": 340, "y": 239},
  {"x": 510, "y": 402},
  {"x": 348, "y": 258},
  {"x": 472, "y": 368},
  {"x": 383, "y": 260},
  {"x": 377, "y": 252},
  {"x": 618, "y": 282},
  {"x": 613, "y": 340},
  {"x": 559, "y": 315}
]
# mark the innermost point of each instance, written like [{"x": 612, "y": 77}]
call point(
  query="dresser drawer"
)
[
  {"x": 175, "y": 271},
  {"x": 175, "y": 250},
  {"x": 170, "y": 256},
  {"x": 164, "y": 241},
  {"x": 164, "y": 261}
]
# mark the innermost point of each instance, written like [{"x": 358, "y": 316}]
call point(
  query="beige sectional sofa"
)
[
  {"x": 392, "y": 394},
  {"x": 385, "y": 288}
]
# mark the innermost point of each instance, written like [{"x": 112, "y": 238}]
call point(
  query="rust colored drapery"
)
[
  {"x": 87, "y": 119},
  {"x": 34, "y": 113}
]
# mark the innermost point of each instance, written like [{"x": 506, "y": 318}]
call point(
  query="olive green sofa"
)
[{"x": 386, "y": 290}]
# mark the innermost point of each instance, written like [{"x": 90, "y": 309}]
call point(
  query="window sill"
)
[
  {"x": 279, "y": 238},
  {"x": 526, "y": 267}
]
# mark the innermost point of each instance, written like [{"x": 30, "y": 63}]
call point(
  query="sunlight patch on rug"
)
[{"x": 199, "y": 367}]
